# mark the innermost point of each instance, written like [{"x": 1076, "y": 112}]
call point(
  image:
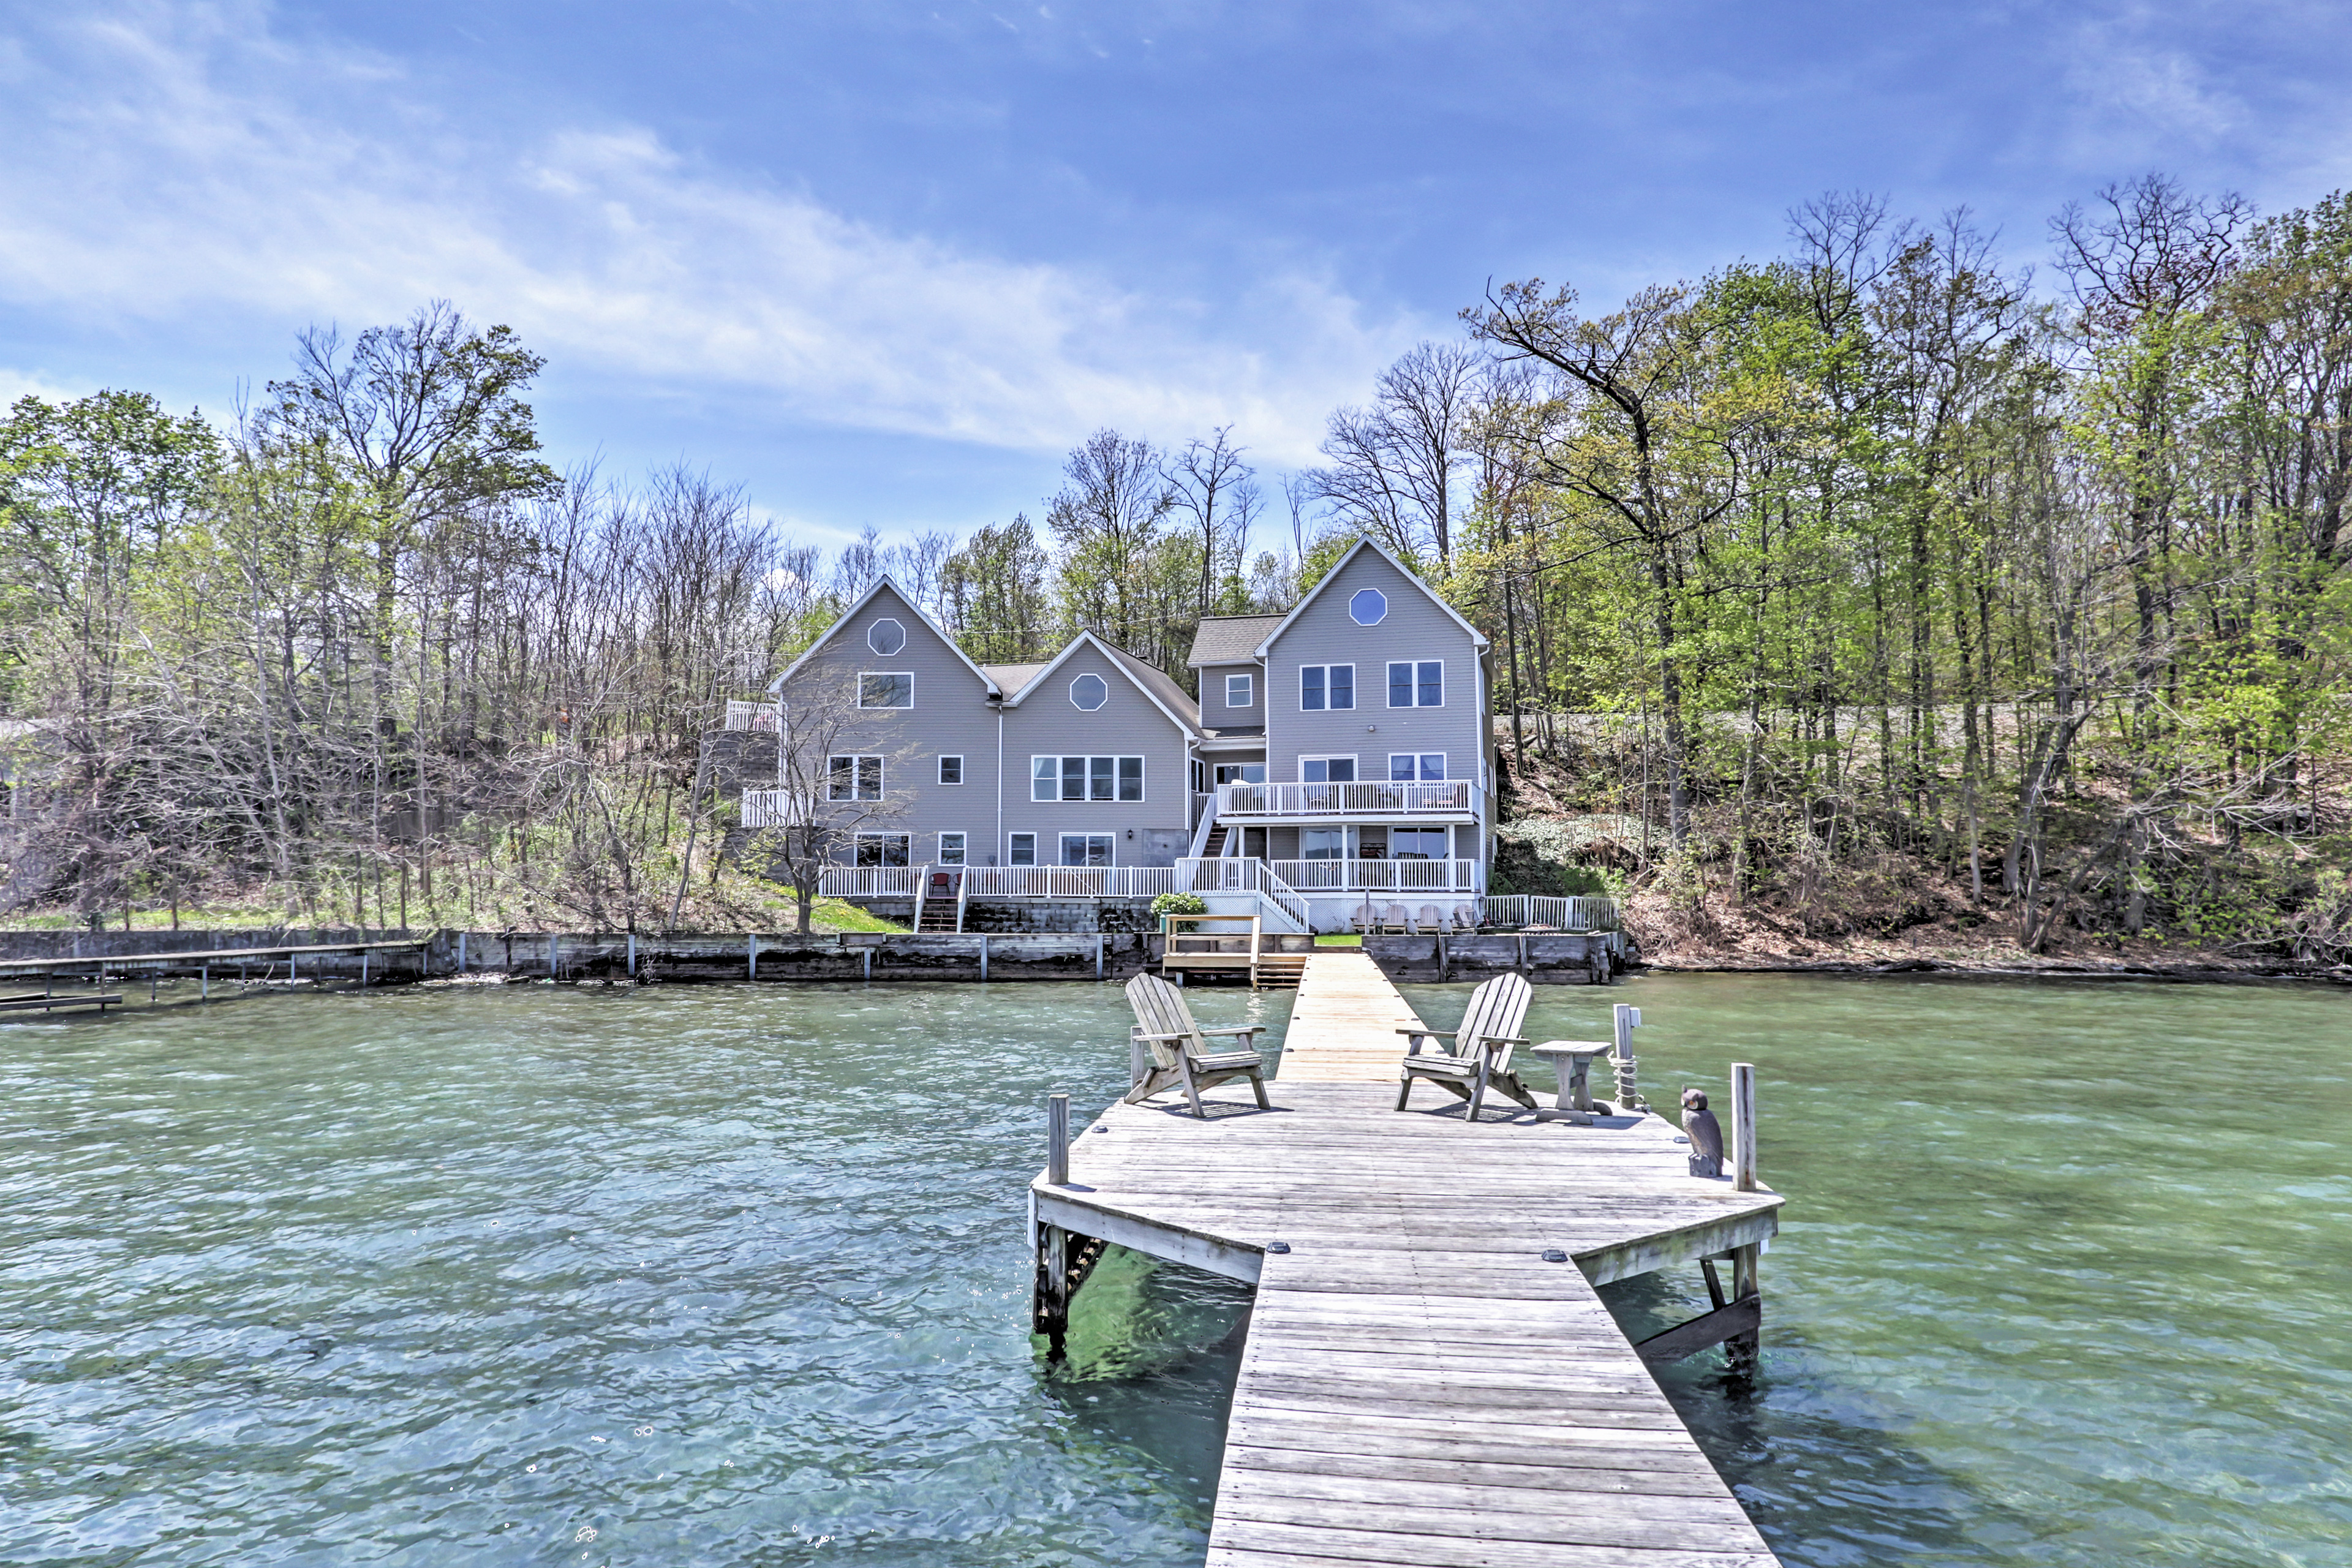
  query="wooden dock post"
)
[
  {"x": 1050, "y": 1310},
  {"x": 461, "y": 952},
  {"x": 1098, "y": 955},
  {"x": 1057, "y": 1139},
  {"x": 364, "y": 971},
  {"x": 1628, "y": 1089},
  {"x": 204, "y": 981},
  {"x": 983, "y": 958},
  {"x": 1743, "y": 1126},
  {"x": 633, "y": 955},
  {"x": 553, "y": 943},
  {"x": 750, "y": 958}
]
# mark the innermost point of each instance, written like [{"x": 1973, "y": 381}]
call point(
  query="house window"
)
[
  {"x": 1418, "y": 842},
  {"x": 1085, "y": 848},
  {"x": 1241, "y": 772},
  {"x": 882, "y": 849},
  {"x": 1021, "y": 849},
  {"x": 1405, "y": 767},
  {"x": 1240, "y": 691},
  {"x": 1086, "y": 778},
  {"x": 1322, "y": 686},
  {"x": 853, "y": 778},
  {"x": 1323, "y": 844},
  {"x": 885, "y": 637},
  {"x": 952, "y": 769},
  {"x": 1089, "y": 692},
  {"x": 878, "y": 688},
  {"x": 950, "y": 848},
  {"x": 1419, "y": 685},
  {"x": 1326, "y": 770},
  {"x": 1369, "y": 608}
]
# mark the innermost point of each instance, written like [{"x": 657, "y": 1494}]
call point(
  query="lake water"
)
[{"x": 730, "y": 1275}]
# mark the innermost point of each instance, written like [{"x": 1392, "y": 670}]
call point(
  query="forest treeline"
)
[{"x": 1895, "y": 578}]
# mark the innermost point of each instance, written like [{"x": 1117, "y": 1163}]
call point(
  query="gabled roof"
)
[
  {"x": 1155, "y": 684},
  {"x": 1299, "y": 609},
  {"x": 1011, "y": 676},
  {"x": 880, "y": 582},
  {"x": 1230, "y": 639}
]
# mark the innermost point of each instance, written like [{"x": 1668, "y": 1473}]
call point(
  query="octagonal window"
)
[
  {"x": 1089, "y": 692},
  {"x": 885, "y": 637},
  {"x": 1369, "y": 608}
]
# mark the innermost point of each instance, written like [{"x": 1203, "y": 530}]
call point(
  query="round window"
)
[
  {"x": 1089, "y": 692},
  {"x": 1369, "y": 608},
  {"x": 885, "y": 637}
]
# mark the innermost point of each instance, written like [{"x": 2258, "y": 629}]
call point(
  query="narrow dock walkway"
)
[{"x": 1421, "y": 1386}]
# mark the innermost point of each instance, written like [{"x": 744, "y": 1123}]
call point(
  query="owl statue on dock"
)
[{"x": 1705, "y": 1134}]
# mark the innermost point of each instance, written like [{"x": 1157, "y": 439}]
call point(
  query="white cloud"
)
[
  {"x": 16, "y": 384},
  {"x": 175, "y": 163}
]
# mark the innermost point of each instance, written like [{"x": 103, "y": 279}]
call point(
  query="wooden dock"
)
[{"x": 1430, "y": 1378}]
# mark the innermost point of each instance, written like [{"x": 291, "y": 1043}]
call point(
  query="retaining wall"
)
[{"x": 1546, "y": 958}]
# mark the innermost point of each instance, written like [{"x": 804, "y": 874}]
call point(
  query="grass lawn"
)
[{"x": 1340, "y": 939}]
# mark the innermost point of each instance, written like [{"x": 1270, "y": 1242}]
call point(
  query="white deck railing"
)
[
  {"x": 1560, "y": 914},
  {"x": 1070, "y": 881},
  {"x": 771, "y": 808},
  {"x": 1238, "y": 874},
  {"x": 869, "y": 881},
  {"x": 751, "y": 716},
  {"x": 1454, "y": 797},
  {"x": 1406, "y": 876}
]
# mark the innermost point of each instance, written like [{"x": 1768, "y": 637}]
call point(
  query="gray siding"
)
[
  {"x": 1046, "y": 724},
  {"x": 1415, "y": 629},
  {"x": 1215, "y": 711},
  {"x": 951, "y": 715}
]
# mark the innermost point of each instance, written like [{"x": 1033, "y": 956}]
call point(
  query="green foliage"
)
[{"x": 1180, "y": 904}]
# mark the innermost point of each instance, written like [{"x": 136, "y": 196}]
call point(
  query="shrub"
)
[{"x": 1180, "y": 904}]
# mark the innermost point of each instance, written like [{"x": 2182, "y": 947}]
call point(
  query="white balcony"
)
[
  {"x": 1405, "y": 876},
  {"x": 743, "y": 715},
  {"x": 1452, "y": 799}
]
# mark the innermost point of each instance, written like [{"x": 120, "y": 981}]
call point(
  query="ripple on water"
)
[{"x": 712, "y": 1275}]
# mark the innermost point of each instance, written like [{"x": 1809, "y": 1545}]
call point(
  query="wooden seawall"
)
[{"x": 1430, "y": 1378}]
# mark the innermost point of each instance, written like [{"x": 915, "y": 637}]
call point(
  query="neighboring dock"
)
[{"x": 1430, "y": 1378}]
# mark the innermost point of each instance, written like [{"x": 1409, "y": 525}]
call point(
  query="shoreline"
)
[{"x": 2055, "y": 969}]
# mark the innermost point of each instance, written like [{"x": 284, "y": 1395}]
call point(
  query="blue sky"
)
[{"x": 883, "y": 264}]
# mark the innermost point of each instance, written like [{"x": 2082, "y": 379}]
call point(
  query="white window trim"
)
[
  {"x": 1347, "y": 757},
  {"x": 1008, "y": 847},
  {"x": 1142, "y": 779},
  {"x": 881, "y": 776},
  {"x": 1416, "y": 757},
  {"x": 1368, "y": 588},
  {"x": 1412, "y": 686},
  {"x": 1249, "y": 691},
  {"x": 885, "y": 708},
  {"x": 1073, "y": 692},
  {"x": 1063, "y": 855},
  {"x": 1326, "y": 669},
  {"x": 958, "y": 781},
  {"x": 963, "y": 846},
  {"x": 876, "y": 625},
  {"x": 863, "y": 834}
]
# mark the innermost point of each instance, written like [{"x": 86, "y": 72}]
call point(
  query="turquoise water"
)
[
  {"x": 730, "y": 1275},
  {"x": 2065, "y": 1275},
  {"x": 690, "y": 1275}
]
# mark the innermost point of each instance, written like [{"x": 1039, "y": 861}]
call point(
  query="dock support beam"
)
[{"x": 1050, "y": 1312}]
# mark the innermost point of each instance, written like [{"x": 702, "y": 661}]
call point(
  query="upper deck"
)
[{"x": 1440, "y": 801}]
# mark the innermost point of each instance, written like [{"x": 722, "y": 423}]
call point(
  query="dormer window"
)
[{"x": 1240, "y": 691}]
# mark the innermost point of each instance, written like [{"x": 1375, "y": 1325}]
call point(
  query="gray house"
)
[{"x": 1339, "y": 753}]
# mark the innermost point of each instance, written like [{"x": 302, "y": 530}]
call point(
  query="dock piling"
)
[
  {"x": 1057, "y": 1139},
  {"x": 1743, "y": 1126},
  {"x": 1628, "y": 1089},
  {"x": 633, "y": 955}
]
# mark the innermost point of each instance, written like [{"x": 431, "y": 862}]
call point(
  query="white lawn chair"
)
[{"x": 1480, "y": 1055}]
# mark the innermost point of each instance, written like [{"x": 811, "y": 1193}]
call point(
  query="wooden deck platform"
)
[{"x": 1421, "y": 1386}]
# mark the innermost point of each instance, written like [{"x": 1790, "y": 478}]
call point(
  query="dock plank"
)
[{"x": 1420, "y": 1386}]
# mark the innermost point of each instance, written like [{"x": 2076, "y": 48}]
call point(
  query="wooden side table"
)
[{"x": 1572, "y": 1061}]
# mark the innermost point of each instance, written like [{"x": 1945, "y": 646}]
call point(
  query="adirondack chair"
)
[
  {"x": 1180, "y": 1054},
  {"x": 1480, "y": 1055}
]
